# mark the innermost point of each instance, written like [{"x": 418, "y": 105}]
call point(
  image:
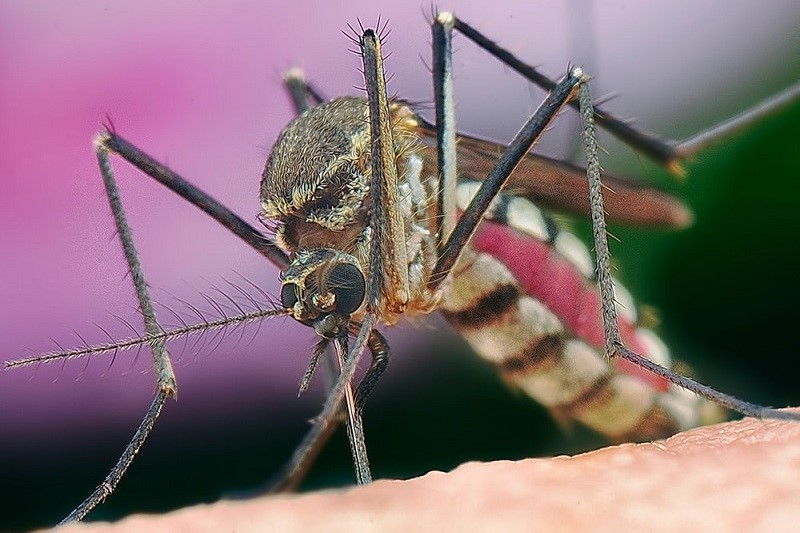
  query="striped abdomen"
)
[{"x": 524, "y": 298}]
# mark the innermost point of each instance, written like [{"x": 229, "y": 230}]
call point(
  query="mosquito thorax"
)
[{"x": 315, "y": 193}]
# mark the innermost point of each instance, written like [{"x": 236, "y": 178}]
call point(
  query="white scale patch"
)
[
  {"x": 414, "y": 192},
  {"x": 481, "y": 277},
  {"x": 413, "y": 202},
  {"x": 515, "y": 332},
  {"x": 572, "y": 249},
  {"x": 526, "y": 217},
  {"x": 682, "y": 407},
  {"x": 520, "y": 214},
  {"x": 654, "y": 348},
  {"x": 620, "y": 408},
  {"x": 578, "y": 369},
  {"x": 631, "y": 400}
]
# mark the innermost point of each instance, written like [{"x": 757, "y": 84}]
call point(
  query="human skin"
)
[{"x": 742, "y": 476}]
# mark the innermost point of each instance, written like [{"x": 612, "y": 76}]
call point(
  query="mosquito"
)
[{"x": 375, "y": 215}]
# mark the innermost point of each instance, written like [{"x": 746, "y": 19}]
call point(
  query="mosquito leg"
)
[
  {"x": 165, "y": 377},
  {"x": 289, "y": 478},
  {"x": 442, "y": 29},
  {"x": 668, "y": 153},
  {"x": 523, "y": 141},
  {"x": 303, "y": 95},
  {"x": 388, "y": 283},
  {"x": 112, "y": 142},
  {"x": 614, "y": 346},
  {"x": 295, "y": 471},
  {"x": 700, "y": 141},
  {"x": 108, "y": 485},
  {"x": 386, "y": 254},
  {"x": 379, "y": 349},
  {"x": 164, "y": 373},
  {"x": 388, "y": 258},
  {"x": 647, "y": 143},
  {"x": 355, "y": 425}
]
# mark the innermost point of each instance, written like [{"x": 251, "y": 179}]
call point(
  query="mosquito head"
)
[
  {"x": 316, "y": 197},
  {"x": 322, "y": 288}
]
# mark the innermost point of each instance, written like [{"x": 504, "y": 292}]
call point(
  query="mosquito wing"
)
[{"x": 562, "y": 186}]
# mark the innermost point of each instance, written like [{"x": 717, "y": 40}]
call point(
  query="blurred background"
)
[{"x": 197, "y": 85}]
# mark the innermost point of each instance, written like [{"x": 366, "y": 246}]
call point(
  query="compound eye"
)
[
  {"x": 347, "y": 282},
  {"x": 289, "y": 295}
]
